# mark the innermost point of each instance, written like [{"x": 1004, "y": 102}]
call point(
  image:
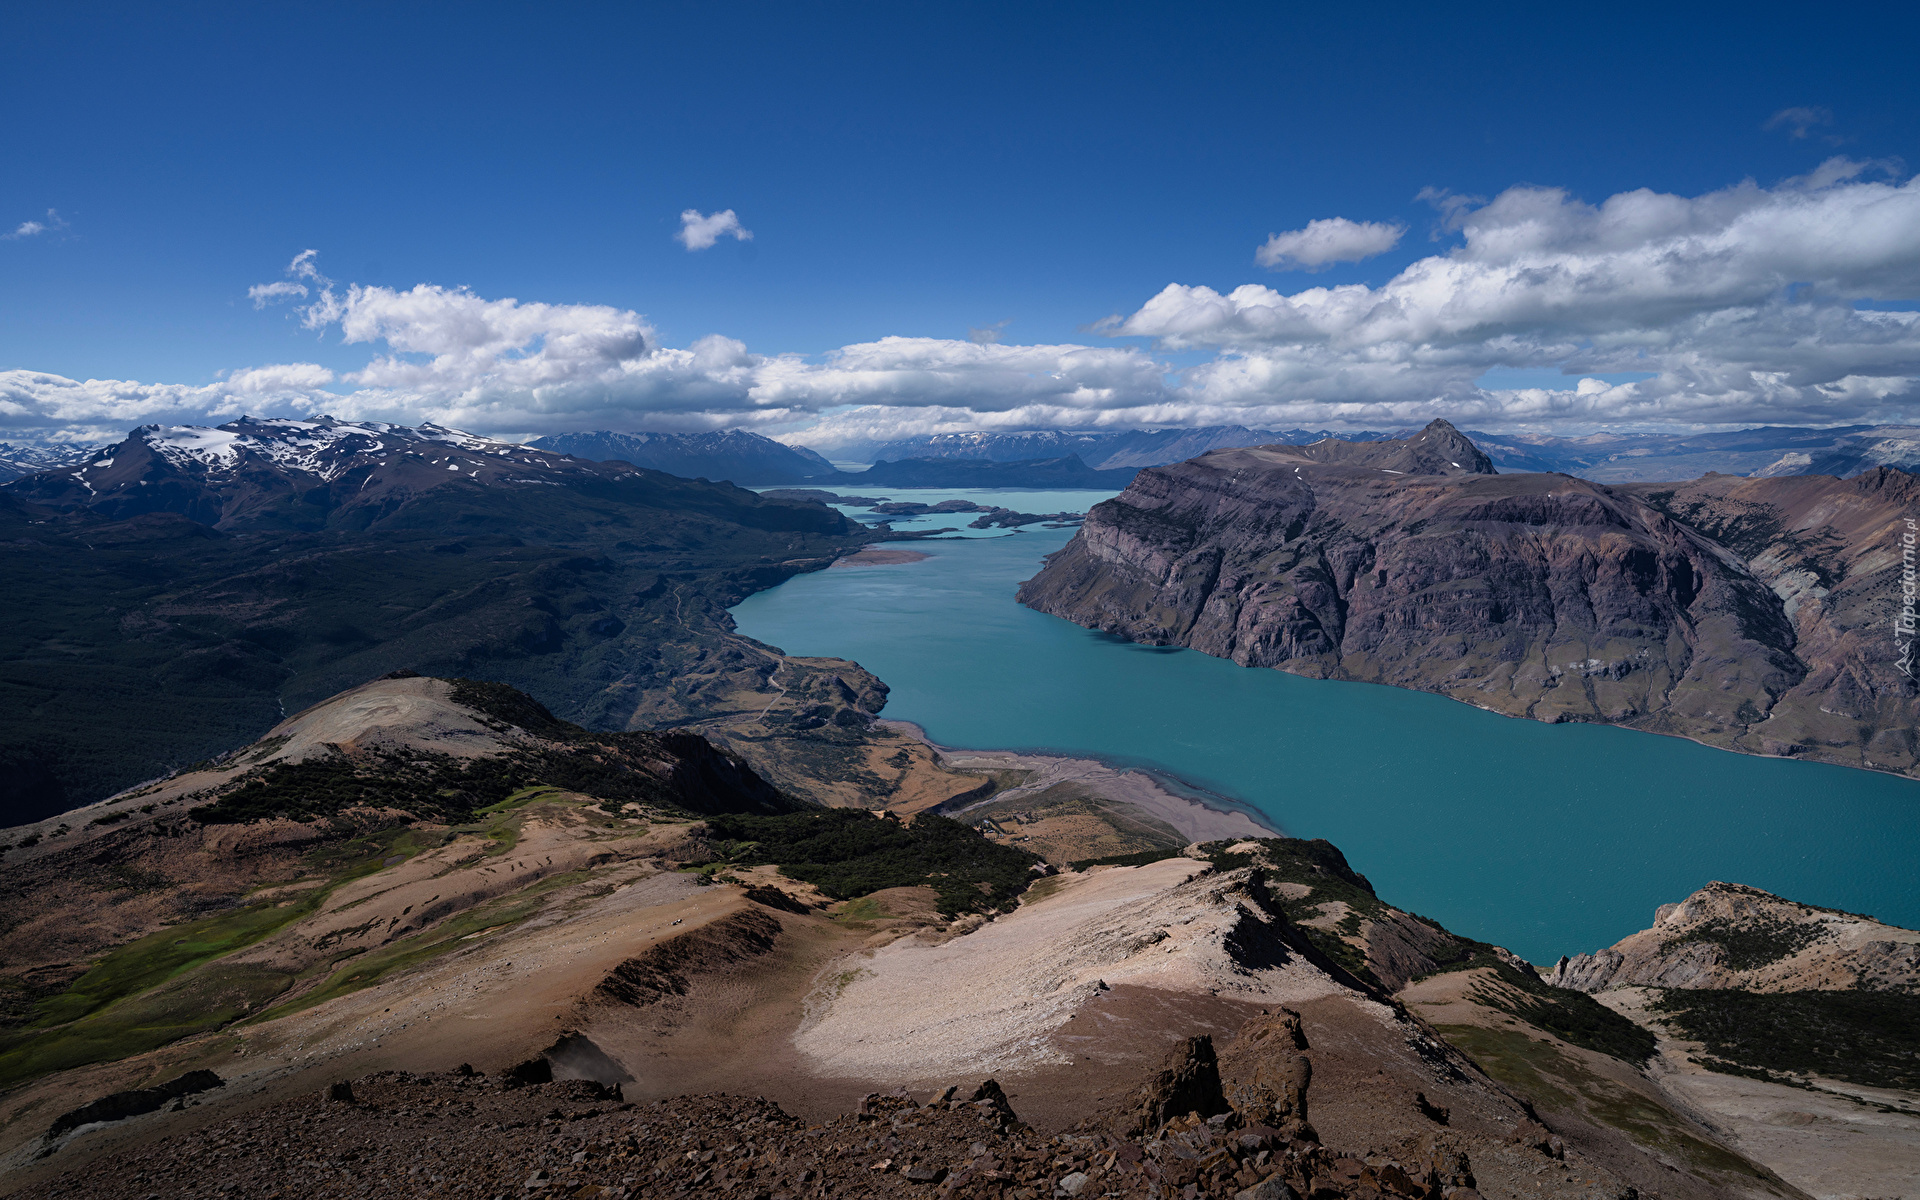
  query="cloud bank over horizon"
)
[{"x": 1749, "y": 305}]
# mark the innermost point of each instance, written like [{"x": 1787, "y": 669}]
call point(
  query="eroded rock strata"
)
[{"x": 1753, "y": 614}]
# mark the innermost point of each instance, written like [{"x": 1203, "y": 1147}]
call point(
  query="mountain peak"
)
[{"x": 1439, "y": 449}]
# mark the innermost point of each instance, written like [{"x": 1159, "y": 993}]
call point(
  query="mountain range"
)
[
  {"x": 1605, "y": 457},
  {"x": 430, "y": 932},
  {"x": 1842, "y": 451},
  {"x": 1099, "y": 449},
  {"x": 19, "y": 461},
  {"x": 1066, "y": 471},
  {"x": 735, "y": 455},
  {"x": 751, "y": 459},
  {"x": 195, "y": 581}
]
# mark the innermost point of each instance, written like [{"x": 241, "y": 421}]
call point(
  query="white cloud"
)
[
  {"x": 306, "y": 265},
  {"x": 1325, "y": 242},
  {"x": 699, "y": 233},
  {"x": 987, "y": 335},
  {"x": 45, "y": 407},
  {"x": 282, "y": 379},
  {"x": 1742, "y": 306},
  {"x": 263, "y": 294},
  {"x": 1798, "y": 121},
  {"x": 26, "y": 229}
]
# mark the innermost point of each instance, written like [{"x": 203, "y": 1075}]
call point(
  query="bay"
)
[{"x": 1549, "y": 839}]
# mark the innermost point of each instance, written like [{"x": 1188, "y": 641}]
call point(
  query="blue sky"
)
[{"x": 914, "y": 172}]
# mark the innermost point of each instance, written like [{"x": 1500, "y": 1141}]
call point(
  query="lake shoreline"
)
[
  {"x": 1574, "y": 831},
  {"x": 1157, "y": 792}
]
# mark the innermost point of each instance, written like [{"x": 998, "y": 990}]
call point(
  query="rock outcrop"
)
[
  {"x": 121, "y": 1105},
  {"x": 1750, "y": 614},
  {"x": 1272, "y": 1074},
  {"x": 1189, "y": 1083},
  {"x": 1729, "y": 936}
]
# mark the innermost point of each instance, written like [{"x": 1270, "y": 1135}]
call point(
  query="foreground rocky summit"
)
[
  {"x": 1231, "y": 1125},
  {"x": 1753, "y": 614}
]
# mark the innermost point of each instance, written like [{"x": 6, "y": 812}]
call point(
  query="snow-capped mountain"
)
[
  {"x": 18, "y": 461},
  {"x": 294, "y": 474},
  {"x": 731, "y": 454}
]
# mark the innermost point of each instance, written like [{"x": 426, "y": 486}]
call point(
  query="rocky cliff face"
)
[
  {"x": 1729, "y": 936},
  {"x": 1687, "y": 609},
  {"x": 1829, "y": 551}
]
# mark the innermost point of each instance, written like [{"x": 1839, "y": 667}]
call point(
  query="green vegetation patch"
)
[
  {"x": 424, "y": 786},
  {"x": 152, "y": 960},
  {"x": 1138, "y": 859},
  {"x": 848, "y": 853},
  {"x": 166, "y": 986},
  {"x": 1551, "y": 1080},
  {"x": 1751, "y": 942},
  {"x": 1569, "y": 1015},
  {"x": 1864, "y": 1037},
  {"x": 193, "y": 1003}
]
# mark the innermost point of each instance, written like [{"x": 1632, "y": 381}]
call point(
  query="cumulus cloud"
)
[
  {"x": 27, "y": 229},
  {"x": 39, "y": 406},
  {"x": 510, "y": 366},
  {"x": 1746, "y": 305},
  {"x": 986, "y": 335},
  {"x": 700, "y": 233},
  {"x": 1326, "y": 242}
]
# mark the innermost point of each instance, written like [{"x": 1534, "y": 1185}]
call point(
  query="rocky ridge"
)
[
  {"x": 276, "y": 472},
  {"x": 1727, "y": 935},
  {"x": 406, "y": 1134},
  {"x": 1749, "y": 614}
]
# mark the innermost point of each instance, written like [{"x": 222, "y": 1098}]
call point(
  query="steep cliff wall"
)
[{"x": 1535, "y": 595}]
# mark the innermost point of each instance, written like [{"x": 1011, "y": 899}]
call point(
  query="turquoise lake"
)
[{"x": 1549, "y": 839}]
